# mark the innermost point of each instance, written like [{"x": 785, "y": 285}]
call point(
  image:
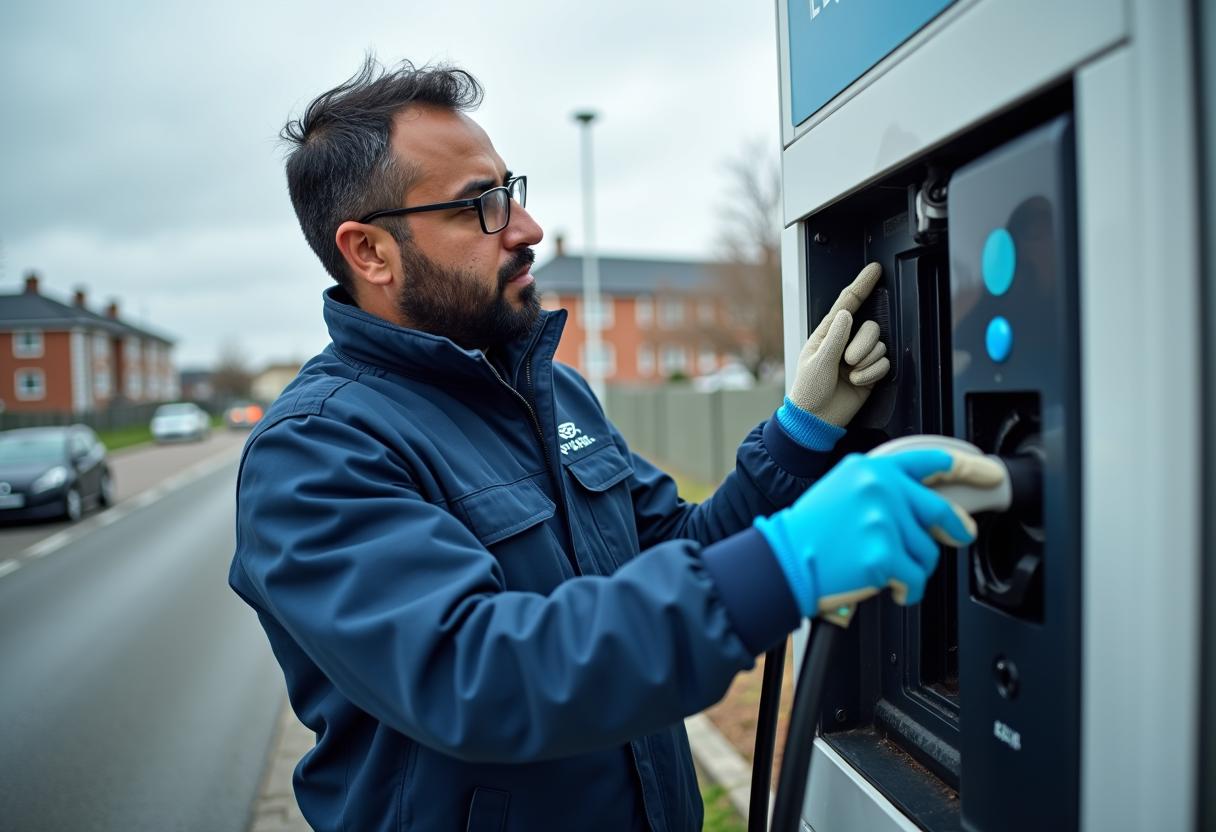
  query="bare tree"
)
[
  {"x": 747, "y": 281},
  {"x": 231, "y": 379}
]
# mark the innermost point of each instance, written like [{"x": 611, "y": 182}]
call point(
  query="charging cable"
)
[
  {"x": 800, "y": 738},
  {"x": 825, "y": 634}
]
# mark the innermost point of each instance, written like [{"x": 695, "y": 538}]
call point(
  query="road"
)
[{"x": 137, "y": 692}]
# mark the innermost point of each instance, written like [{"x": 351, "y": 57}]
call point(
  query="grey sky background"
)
[{"x": 139, "y": 152}]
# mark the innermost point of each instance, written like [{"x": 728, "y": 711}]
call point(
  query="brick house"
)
[
  {"x": 268, "y": 384},
  {"x": 658, "y": 316},
  {"x": 58, "y": 357}
]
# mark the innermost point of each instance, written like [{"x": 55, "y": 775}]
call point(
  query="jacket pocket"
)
[
  {"x": 603, "y": 502},
  {"x": 600, "y": 470},
  {"x": 500, "y": 511},
  {"x": 510, "y": 521},
  {"x": 488, "y": 810}
]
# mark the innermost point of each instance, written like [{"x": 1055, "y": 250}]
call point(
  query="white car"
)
[
  {"x": 181, "y": 420},
  {"x": 730, "y": 376}
]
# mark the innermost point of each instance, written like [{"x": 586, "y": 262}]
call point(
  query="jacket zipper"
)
[
  {"x": 540, "y": 436},
  {"x": 528, "y": 405},
  {"x": 544, "y": 448}
]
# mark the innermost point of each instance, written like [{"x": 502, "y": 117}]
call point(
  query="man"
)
[{"x": 485, "y": 633}]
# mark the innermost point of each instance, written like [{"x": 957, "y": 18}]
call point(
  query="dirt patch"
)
[{"x": 735, "y": 715}]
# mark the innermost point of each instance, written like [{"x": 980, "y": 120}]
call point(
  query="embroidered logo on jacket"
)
[{"x": 576, "y": 440}]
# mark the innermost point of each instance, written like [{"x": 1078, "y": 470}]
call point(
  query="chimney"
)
[
  {"x": 31, "y": 283},
  {"x": 559, "y": 240},
  {"x": 78, "y": 297},
  {"x": 112, "y": 310}
]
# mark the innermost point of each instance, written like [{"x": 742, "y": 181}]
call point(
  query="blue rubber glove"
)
[{"x": 867, "y": 525}]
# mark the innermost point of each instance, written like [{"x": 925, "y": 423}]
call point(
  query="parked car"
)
[
  {"x": 182, "y": 420},
  {"x": 730, "y": 376},
  {"x": 243, "y": 415},
  {"x": 52, "y": 472}
]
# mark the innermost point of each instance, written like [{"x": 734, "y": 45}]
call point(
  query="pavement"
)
[{"x": 276, "y": 811}]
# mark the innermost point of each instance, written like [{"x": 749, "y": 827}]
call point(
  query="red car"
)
[{"x": 243, "y": 416}]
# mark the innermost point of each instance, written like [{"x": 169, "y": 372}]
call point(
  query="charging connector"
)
[{"x": 1020, "y": 491}]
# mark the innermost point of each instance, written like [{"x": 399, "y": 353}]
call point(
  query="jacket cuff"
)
[
  {"x": 753, "y": 588},
  {"x": 807, "y": 429},
  {"x": 792, "y": 457}
]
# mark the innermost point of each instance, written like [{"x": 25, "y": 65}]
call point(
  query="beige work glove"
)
[
  {"x": 835, "y": 374},
  {"x": 963, "y": 478}
]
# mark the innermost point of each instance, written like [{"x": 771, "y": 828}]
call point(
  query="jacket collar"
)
[{"x": 378, "y": 344}]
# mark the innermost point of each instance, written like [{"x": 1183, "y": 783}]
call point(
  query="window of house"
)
[
  {"x": 134, "y": 375},
  {"x": 671, "y": 312},
  {"x": 643, "y": 310},
  {"x": 739, "y": 315},
  {"x": 101, "y": 383},
  {"x": 135, "y": 382},
  {"x": 81, "y": 367},
  {"x": 645, "y": 360},
  {"x": 152, "y": 363},
  {"x": 605, "y": 315},
  {"x": 707, "y": 360},
  {"x": 673, "y": 360},
  {"x": 27, "y": 343},
  {"x": 606, "y": 362},
  {"x": 705, "y": 311},
  {"x": 31, "y": 385}
]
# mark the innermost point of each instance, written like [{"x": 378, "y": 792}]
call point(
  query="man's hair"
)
[{"x": 341, "y": 166}]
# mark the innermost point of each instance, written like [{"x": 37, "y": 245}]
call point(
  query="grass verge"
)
[
  {"x": 720, "y": 816},
  {"x": 125, "y": 437}
]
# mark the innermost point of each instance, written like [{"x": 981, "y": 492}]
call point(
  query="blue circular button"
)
[
  {"x": 1000, "y": 260},
  {"x": 999, "y": 339}
]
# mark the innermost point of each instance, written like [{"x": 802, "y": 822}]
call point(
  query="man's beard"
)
[{"x": 458, "y": 305}]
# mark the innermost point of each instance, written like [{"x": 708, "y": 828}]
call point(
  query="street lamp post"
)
[{"x": 591, "y": 269}]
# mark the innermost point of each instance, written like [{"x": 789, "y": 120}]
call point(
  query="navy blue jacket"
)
[{"x": 443, "y": 549}]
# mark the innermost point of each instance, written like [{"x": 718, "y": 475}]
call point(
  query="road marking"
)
[
  {"x": 176, "y": 479},
  {"x": 112, "y": 515},
  {"x": 148, "y": 497},
  {"x": 44, "y": 547}
]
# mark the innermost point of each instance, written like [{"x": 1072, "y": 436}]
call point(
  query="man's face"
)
[
  {"x": 456, "y": 280},
  {"x": 460, "y": 305}
]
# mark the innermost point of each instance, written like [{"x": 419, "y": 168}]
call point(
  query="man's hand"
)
[
  {"x": 870, "y": 524},
  {"x": 835, "y": 375}
]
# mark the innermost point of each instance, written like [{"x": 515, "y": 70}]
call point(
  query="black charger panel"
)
[
  {"x": 1014, "y": 336},
  {"x": 890, "y": 702}
]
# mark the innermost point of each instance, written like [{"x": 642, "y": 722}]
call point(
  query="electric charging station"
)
[{"x": 1028, "y": 173}]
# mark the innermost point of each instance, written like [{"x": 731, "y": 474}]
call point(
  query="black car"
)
[{"x": 52, "y": 472}]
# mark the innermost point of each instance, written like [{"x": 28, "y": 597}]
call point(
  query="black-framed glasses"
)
[{"x": 493, "y": 207}]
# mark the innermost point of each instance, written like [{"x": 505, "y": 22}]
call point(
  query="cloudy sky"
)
[{"x": 139, "y": 155}]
